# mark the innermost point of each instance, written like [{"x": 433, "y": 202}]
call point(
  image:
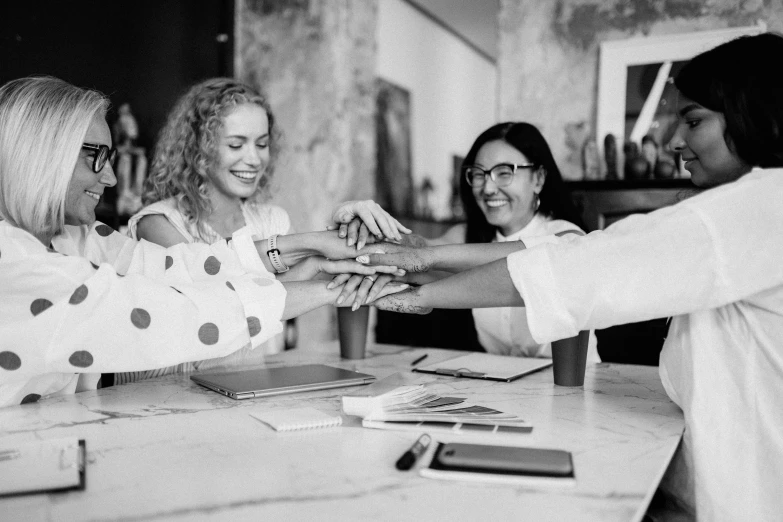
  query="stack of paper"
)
[{"x": 387, "y": 401}]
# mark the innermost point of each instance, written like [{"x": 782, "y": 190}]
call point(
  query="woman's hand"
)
[
  {"x": 405, "y": 302},
  {"x": 315, "y": 267},
  {"x": 356, "y": 220},
  {"x": 408, "y": 258},
  {"x": 365, "y": 289},
  {"x": 358, "y": 290}
]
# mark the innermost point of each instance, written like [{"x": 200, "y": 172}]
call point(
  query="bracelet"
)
[{"x": 274, "y": 255}]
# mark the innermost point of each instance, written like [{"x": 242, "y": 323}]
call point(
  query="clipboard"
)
[
  {"x": 487, "y": 366},
  {"x": 46, "y": 466}
]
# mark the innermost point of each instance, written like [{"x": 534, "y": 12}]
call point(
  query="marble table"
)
[{"x": 167, "y": 449}]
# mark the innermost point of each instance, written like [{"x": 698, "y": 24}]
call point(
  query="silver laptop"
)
[{"x": 247, "y": 384}]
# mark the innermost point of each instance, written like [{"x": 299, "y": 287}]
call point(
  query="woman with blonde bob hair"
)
[
  {"x": 34, "y": 198},
  {"x": 80, "y": 299}
]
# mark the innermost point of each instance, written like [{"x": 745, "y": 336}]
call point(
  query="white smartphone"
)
[{"x": 503, "y": 459}]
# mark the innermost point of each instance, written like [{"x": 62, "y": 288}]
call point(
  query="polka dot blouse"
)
[{"x": 97, "y": 301}]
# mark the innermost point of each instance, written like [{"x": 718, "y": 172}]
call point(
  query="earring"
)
[{"x": 538, "y": 202}]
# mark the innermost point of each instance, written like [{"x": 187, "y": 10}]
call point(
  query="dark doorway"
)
[{"x": 143, "y": 52}]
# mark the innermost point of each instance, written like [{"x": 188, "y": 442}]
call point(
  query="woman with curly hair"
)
[{"x": 208, "y": 181}]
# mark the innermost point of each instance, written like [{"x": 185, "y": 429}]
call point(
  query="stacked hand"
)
[{"x": 365, "y": 221}]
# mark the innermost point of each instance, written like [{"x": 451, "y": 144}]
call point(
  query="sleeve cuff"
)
[
  {"x": 547, "y": 315},
  {"x": 245, "y": 248}
]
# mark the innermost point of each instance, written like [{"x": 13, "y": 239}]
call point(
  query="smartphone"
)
[{"x": 503, "y": 459}]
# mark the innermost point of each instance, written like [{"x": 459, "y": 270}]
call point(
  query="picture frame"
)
[{"x": 616, "y": 56}]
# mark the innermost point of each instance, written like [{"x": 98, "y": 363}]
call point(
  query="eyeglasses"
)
[
  {"x": 502, "y": 174},
  {"x": 102, "y": 154}
]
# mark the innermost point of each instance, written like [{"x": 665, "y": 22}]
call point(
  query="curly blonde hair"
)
[{"x": 187, "y": 147}]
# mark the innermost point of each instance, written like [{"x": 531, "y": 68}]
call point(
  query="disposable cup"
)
[
  {"x": 352, "y": 327},
  {"x": 569, "y": 358}
]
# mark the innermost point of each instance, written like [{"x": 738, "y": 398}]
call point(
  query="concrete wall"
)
[
  {"x": 547, "y": 69},
  {"x": 316, "y": 61}
]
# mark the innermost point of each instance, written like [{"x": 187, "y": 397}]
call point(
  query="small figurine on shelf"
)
[
  {"x": 425, "y": 199},
  {"x": 666, "y": 168},
  {"x": 610, "y": 156},
  {"x": 577, "y": 134},
  {"x": 650, "y": 153},
  {"x": 131, "y": 169},
  {"x": 591, "y": 161},
  {"x": 635, "y": 165}
]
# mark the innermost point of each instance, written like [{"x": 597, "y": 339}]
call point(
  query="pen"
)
[
  {"x": 417, "y": 361},
  {"x": 410, "y": 457}
]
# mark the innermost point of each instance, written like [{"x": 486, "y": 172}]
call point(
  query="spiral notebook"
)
[{"x": 297, "y": 419}]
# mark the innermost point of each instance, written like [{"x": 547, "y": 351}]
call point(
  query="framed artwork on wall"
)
[
  {"x": 627, "y": 104},
  {"x": 394, "y": 180}
]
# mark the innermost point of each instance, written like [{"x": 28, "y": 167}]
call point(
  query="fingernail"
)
[
  {"x": 350, "y": 241},
  {"x": 342, "y": 234},
  {"x": 363, "y": 259},
  {"x": 401, "y": 272},
  {"x": 330, "y": 286},
  {"x": 340, "y": 299},
  {"x": 354, "y": 307},
  {"x": 359, "y": 245}
]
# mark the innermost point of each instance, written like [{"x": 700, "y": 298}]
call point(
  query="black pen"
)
[
  {"x": 417, "y": 361},
  {"x": 410, "y": 457}
]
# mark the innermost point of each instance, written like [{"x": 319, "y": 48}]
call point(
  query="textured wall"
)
[
  {"x": 548, "y": 60},
  {"x": 316, "y": 61}
]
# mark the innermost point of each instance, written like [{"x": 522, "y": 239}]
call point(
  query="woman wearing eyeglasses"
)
[
  {"x": 512, "y": 191},
  {"x": 79, "y": 299}
]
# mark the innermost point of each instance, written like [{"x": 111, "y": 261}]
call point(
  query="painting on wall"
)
[
  {"x": 394, "y": 181},
  {"x": 636, "y": 99}
]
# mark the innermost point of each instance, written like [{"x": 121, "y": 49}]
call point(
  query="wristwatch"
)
[{"x": 274, "y": 255}]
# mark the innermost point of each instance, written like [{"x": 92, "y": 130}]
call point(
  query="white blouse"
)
[
  {"x": 100, "y": 302},
  {"x": 714, "y": 263},
  {"x": 504, "y": 331}
]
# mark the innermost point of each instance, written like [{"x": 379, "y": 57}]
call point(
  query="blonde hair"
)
[
  {"x": 43, "y": 122},
  {"x": 187, "y": 147}
]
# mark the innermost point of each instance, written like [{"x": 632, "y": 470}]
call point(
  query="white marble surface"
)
[{"x": 170, "y": 450}]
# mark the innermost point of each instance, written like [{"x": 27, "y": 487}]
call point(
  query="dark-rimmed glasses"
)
[
  {"x": 102, "y": 154},
  {"x": 502, "y": 174}
]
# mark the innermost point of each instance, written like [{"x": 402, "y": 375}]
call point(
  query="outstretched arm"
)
[
  {"x": 451, "y": 258},
  {"x": 486, "y": 286}
]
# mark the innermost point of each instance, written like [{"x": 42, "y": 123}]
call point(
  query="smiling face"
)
[
  {"x": 86, "y": 187},
  {"x": 700, "y": 138},
  {"x": 512, "y": 207},
  {"x": 243, "y": 153}
]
